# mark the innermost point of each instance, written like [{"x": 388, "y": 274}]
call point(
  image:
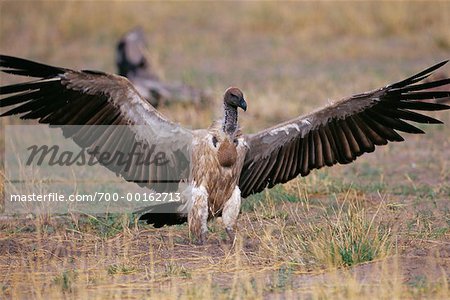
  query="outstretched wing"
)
[
  {"x": 339, "y": 133},
  {"x": 63, "y": 97}
]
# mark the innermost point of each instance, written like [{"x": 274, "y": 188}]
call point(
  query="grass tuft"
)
[{"x": 66, "y": 280}]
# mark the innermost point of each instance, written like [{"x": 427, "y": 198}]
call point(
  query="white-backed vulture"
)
[
  {"x": 133, "y": 63},
  {"x": 225, "y": 165},
  {"x": 435, "y": 77}
]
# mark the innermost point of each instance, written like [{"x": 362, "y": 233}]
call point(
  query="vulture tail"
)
[{"x": 163, "y": 214}]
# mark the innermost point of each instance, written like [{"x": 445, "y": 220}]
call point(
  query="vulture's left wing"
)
[
  {"x": 339, "y": 133},
  {"x": 62, "y": 97}
]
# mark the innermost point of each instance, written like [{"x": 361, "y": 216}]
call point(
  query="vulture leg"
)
[
  {"x": 198, "y": 215},
  {"x": 230, "y": 212}
]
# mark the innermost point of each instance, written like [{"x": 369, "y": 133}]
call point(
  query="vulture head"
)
[
  {"x": 235, "y": 98},
  {"x": 232, "y": 99}
]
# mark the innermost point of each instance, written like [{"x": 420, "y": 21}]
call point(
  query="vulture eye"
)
[
  {"x": 236, "y": 142},
  {"x": 214, "y": 141}
]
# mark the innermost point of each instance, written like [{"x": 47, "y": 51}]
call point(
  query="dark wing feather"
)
[
  {"x": 132, "y": 62},
  {"x": 340, "y": 132},
  {"x": 62, "y": 97}
]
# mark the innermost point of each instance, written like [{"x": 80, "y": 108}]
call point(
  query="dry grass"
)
[{"x": 376, "y": 229}]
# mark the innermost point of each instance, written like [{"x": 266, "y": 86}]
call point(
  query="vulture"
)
[
  {"x": 132, "y": 63},
  {"x": 223, "y": 165}
]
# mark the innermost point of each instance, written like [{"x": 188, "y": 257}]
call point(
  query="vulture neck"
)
[{"x": 230, "y": 122}]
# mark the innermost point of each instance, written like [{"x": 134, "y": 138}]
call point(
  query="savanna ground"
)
[{"x": 378, "y": 228}]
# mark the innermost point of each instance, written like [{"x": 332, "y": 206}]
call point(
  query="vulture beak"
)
[{"x": 243, "y": 104}]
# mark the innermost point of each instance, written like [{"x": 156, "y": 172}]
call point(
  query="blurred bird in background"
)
[{"x": 133, "y": 63}]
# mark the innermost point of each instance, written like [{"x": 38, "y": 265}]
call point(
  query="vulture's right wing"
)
[
  {"x": 338, "y": 133},
  {"x": 62, "y": 97}
]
